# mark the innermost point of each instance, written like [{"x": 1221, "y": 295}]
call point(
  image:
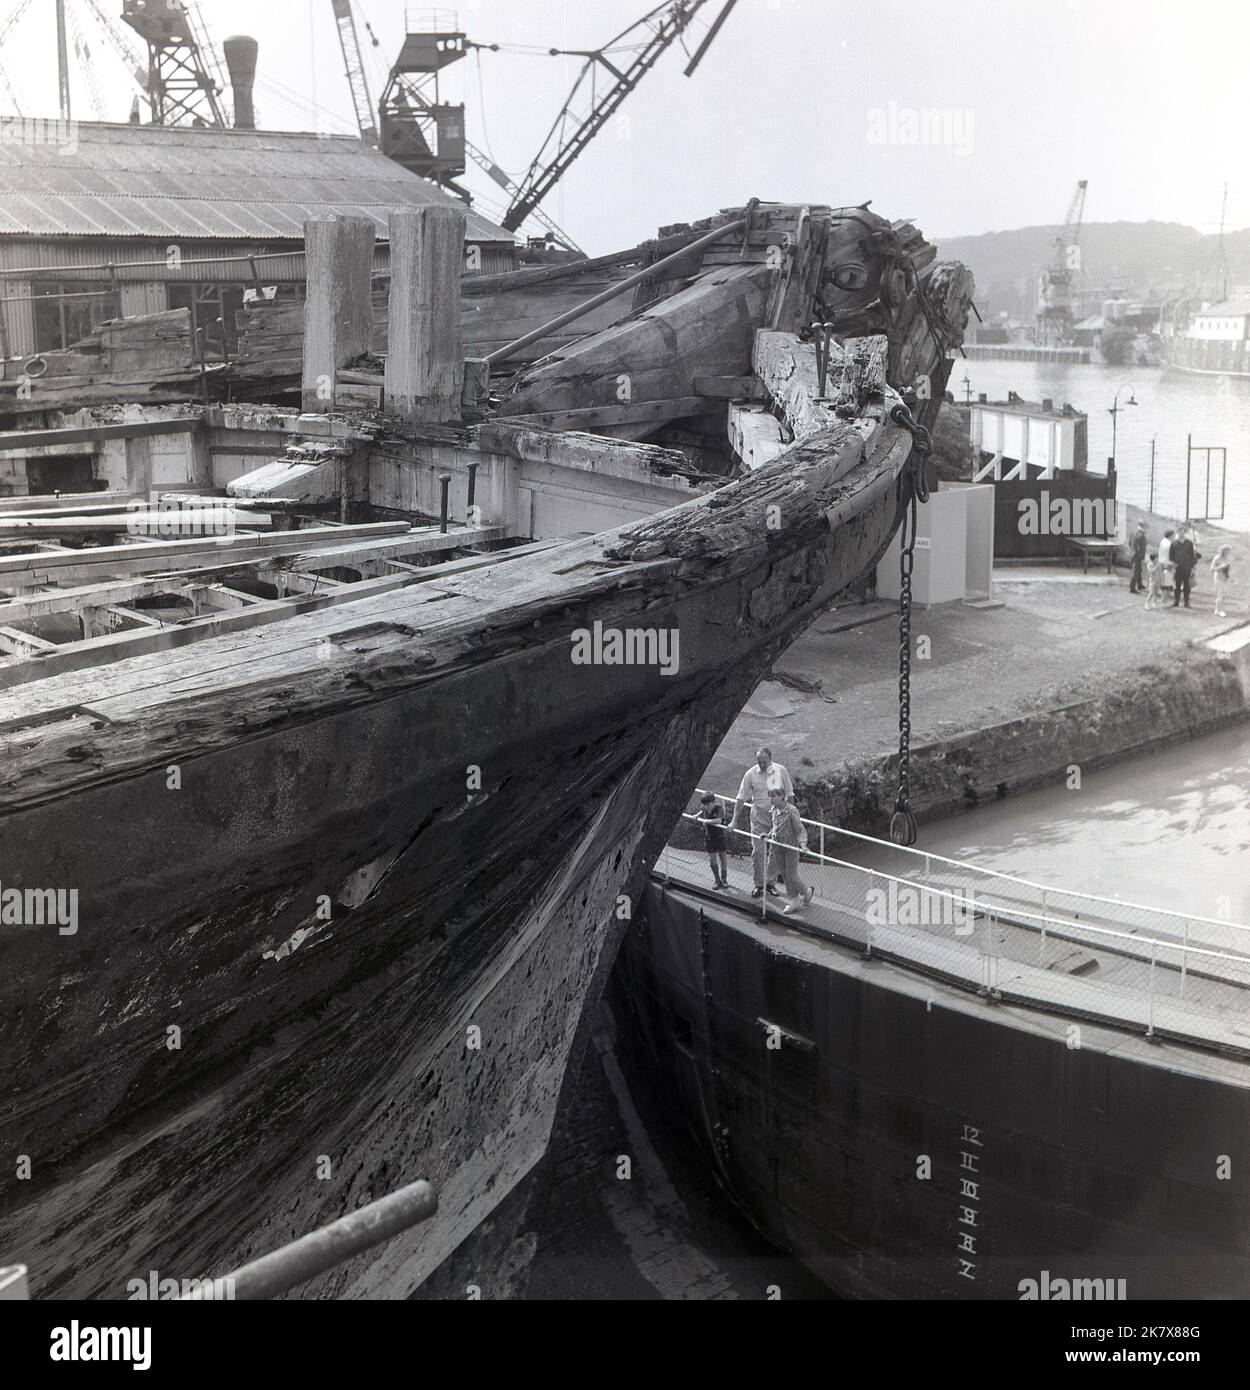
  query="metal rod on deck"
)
[
  {"x": 200, "y": 352},
  {"x": 1150, "y": 1022},
  {"x": 444, "y": 482},
  {"x": 468, "y": 506},
  {"x": 1184, "y": 955},
  {"x": 649, "y": 273},
  {"x": 322, "y": 1250}
]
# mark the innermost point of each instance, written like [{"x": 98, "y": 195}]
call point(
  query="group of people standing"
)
[
  {"x": 1172, "y": 566},
  {"x": 778, "y": 836}
]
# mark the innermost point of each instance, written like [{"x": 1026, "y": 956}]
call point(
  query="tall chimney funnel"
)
[{"x": 240, "y": 54}]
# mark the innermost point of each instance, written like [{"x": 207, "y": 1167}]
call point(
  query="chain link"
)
[{"x": 914, "y": 489}]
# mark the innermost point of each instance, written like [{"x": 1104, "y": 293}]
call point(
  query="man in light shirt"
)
[{"x": 762, "y": 775}]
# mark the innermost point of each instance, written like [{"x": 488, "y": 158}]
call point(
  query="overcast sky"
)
[{"x": 816, "y": 100}]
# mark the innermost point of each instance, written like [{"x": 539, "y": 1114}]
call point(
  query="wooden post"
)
[
  {"x": 139, "y": 465},
  {"x": 424, "y": 358},
  {"x": 338, "y": 313}
]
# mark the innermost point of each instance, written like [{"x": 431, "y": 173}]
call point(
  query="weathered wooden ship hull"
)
[{"x": 346, "y": 884}]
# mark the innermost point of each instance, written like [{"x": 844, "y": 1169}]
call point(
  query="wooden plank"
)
[
  {"x": 630, "y": 413},
  {"x": 157, "y": 522},
  {"x": 729, "y": 388},
  {"x": 85, "y": 596},
  {"x": 94, "y": 434},
  {"x": 120, "y": 646},
  {"x": 428, "y": 544},
  {"x": 75, "y": 504},
  {"x": 172, "y": 555},
  {"x": 23, "y": 644}
]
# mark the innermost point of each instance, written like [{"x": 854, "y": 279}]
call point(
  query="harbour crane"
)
[
  {"x": 6, "y": 28},
  {"x": 666, "y": 23},
  {"x": 353, "y": 62},
  {"x": 132, "y": 61},
  {"x": 1059, "y": 283},
  {"x": 184, "y": 81},
  {"x": 427, "y": 135}
]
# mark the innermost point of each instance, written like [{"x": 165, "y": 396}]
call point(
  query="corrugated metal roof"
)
[
  {"x": 1229, "y": 309},
  {"x": 166, "y": 181}
]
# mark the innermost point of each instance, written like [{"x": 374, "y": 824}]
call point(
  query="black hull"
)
[{"x": 1098, "y": 1162}]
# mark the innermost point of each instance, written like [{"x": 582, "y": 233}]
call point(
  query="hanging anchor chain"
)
[{"x": 913, "y": 489}]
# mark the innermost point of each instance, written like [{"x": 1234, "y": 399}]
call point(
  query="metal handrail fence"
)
[{"x": 1139, "y": 972}]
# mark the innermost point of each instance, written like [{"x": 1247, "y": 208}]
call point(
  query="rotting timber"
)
[{"x": 363, "y": 860}]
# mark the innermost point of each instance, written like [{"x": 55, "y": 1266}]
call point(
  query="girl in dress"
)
[
  {"x": 1221, "y": 569},
  {"x": 1154, "y": 582}
]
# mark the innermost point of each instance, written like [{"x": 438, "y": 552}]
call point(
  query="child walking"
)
[
  {"x": 714, "y": 838},
  {"x": 789, "y": 837},
  {"x": 1222, "y": 569},
  {"x": 1154, "y": 582}
]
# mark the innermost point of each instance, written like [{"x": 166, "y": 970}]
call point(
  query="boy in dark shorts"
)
[{"x": 714, "y": 838}]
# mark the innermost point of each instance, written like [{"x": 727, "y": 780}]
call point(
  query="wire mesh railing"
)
[{"x": 1007, "y": 937}]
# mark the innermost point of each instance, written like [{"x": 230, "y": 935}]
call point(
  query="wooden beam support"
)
[
  {"x": 172, "y": 556},
  {"x": 729, "y": 388},
  {"x": 428, "y": 543},
  {"x": 631, "y": 413},
  {"x": 95, "y": 434},
  {"x": 16, "y": 643},
  {"x": 424, "y": 351},
  {"x": 338, "y": 313},
  {"x": 16, "y": 610}
]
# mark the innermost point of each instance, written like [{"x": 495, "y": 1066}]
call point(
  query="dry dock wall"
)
[{"x": 1193, "y": 693}]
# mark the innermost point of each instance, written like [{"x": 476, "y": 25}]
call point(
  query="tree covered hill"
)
[{"x": 1157, "y": 258}]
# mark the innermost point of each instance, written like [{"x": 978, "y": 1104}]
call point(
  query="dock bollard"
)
[
  {"x": 444, "y": 482},
  {"x": 468, "y": 506}
]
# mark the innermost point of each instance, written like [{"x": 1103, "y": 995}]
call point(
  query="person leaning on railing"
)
[{"x": 757, "y": 781}]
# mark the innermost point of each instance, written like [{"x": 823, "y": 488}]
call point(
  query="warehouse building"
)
[{"x": 100, "y": 221}]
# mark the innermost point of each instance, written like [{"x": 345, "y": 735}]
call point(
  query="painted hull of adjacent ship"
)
[
  {"x": 207, "y": 1069},
  {"x": 1203, "y": 356},
  {"x": 1112, "y": 1160}
]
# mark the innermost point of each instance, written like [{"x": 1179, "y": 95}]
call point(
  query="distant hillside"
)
[{"x": 1158, "y": 258}]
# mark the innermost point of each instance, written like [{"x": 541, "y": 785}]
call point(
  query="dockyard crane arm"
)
[
  {"x": 1076, "y": 212},
  {"x": 133, "y": 61},
  {"x": 510, "y": 186},
  {"x": 666, "y": 24},
  {"x": 6, "y": 26},
  {"x": 353, "y": 62}
]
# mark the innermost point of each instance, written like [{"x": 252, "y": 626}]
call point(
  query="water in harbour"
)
[
  {"x": 1171, "y": 830},
  {"x": 1170, "y": 406}
]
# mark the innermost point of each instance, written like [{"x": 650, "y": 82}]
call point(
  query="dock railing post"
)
[
  {"x": 1184, "y": 954},
  {"x": 1150, "y": 1020}
]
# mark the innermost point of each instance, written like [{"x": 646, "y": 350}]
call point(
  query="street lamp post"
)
[{"x": 1114, "y": 411}]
